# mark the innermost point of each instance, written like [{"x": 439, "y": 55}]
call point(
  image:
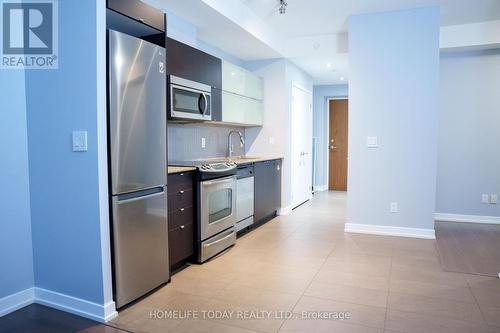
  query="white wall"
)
[
  {"x": 321, "y": 94},
  {"x": 393, "y": 94},
  {"x": 16, "y": 253},
  {"x": 273, "y": 138},
  {"x": 469, "y": 153}
]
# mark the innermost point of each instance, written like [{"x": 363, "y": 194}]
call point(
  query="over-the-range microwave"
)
[{"x": 189, "y": 100}]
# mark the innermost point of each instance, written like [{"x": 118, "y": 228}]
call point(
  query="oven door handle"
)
[
  {"x": 219, "y": 181},
  {"x": 220, "y": 240}
]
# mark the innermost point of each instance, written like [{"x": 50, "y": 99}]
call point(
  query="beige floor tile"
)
[
  {"x": 241, "y": 294},
  {"x": 328, "y": 275},
  {"x": 361, "y": 258},
  {"x": 244, "y": 316},
  {"x": 427, "y": 276},
  {"x": 492, "y": 316},
  {"x": 410, "y": 322},
  {"x": 375, "y": 268},
  {"x": 483, "y": 282},
  {"x": 270, "y": 282},
  {"x": 347, "y": 294},
  {"x": 424, "y": 263},
  {"x": 454, "y": 293},
  {"x": 486, "y": 297},
  {"x": 434, "y": 306},
  {"x": 207, "y": 326},
  {"x": 197, "y": 286},
  {"x": 325, "y": 326},
  {"x": 359, "y": 314}
]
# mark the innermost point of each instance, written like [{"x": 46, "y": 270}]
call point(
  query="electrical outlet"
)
[
  {"x": 494, "y": 199},
  {"x": 271, "y": 140},
  {"x": 394, "y": 207},
  {"x": 203, "y": 143},
  {"x": 485, "y": 198},
  {"x": 79, "y": 140}
]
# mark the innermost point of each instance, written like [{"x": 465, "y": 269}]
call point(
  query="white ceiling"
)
[
  {"x": 312, "y": 33},
  {"x": 312, "y": 17}
]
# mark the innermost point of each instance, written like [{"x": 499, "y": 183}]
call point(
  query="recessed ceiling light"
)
[
  {"x": 342, "y": 78},
  {"x": 316, "y": 46},
  {"x": 329, "y": 65}
]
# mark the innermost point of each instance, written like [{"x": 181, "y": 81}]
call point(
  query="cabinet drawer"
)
[
  {"x": 181, "y": 216},
  {"x": 180, "y": 199},
  {"x": 181, "y": 243},
  {"x": 139, "y": 11},
  {"x": 180, "y": 181}
]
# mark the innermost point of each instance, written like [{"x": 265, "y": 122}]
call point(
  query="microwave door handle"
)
[{"x": 205, "y": 99}]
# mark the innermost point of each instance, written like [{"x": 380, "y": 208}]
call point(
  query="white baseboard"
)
[
  {"x": 320, "y": 188},
  {"x": 389, "y": 231},
  {"x": 466, "y": 218},
  {"x": 80, "y": 307},
  {"x": 16, "y": 301},
  {"x": 285, "y": 210},
  {"x": 94, "y": 311}
]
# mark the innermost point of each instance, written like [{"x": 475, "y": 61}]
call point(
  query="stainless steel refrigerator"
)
[{"x": 138, "y": 162}]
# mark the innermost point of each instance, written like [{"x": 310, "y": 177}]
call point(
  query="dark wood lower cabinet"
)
[
  {"x": 180, "y": 218},
  {"x": 267, "y": 189}
]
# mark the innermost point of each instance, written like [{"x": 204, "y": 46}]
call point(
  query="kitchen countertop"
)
[
  {"x": 177, "y": 169},
  {"x": 239, "y": 160}
]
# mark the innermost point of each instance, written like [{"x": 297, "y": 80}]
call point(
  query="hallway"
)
[{"x": 303, "y": 263}]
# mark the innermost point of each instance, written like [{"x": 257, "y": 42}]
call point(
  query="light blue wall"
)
[
  {"x": 16, "y": 258},
  {"x": 321, "y": 94},
  {"x": 64, "y": 184},
  {"x": 393, "y": 94},
  {"x": 469, "y": 156}
]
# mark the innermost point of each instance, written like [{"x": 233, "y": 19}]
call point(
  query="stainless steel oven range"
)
[{"x": 216, "y": 206}]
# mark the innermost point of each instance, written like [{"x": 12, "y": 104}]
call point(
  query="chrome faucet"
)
[{"x": 230, "y": 147}]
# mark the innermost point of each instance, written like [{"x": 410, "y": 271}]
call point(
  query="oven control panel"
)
[{"x": 218, "y": 167}]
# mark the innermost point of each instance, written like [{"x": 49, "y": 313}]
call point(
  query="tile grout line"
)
[{"x": 388, "y": 290}]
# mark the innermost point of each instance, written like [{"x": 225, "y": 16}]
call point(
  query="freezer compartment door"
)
[
  {"x": 137, "y": 113},
  {"x": 140, "y": 243}
]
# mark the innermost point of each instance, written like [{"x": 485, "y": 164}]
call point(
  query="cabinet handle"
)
[
  {"x": 181, "y": 174},
  {"x": 181, "y": 192},
  {"x": 182, "y": 209},
  {"x": 182, "y": 227}
]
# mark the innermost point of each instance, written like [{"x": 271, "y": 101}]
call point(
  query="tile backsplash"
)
[{"x": 184, "y": 141}]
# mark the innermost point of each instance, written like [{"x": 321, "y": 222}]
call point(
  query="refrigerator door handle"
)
[{"x": 140, "y": 195}]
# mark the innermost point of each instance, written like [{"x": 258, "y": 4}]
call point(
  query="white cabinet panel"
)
[
  {"x": 241, "y": 110},
  {"x": 242, "y": 94},
  {"x": 253, "y": 86},
  {"x": 254, "y": 112},
  {"x": 233, "y": 108},
  {"x": 233, "y": 78}
]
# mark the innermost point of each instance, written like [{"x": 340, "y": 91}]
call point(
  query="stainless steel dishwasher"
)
[{"x": 244, "y": 197}]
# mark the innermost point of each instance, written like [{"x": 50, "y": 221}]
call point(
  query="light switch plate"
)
[
  {"x": 394, "y": 207},
  {"x": 271, "y": 140},
  {"x": 485, "y": 198},
  {"x": 493, "y": 199},
  {"x": 80, "y": 141},
  {"x": 203, "y": 143},
  {"x": 372, "y": 142}
]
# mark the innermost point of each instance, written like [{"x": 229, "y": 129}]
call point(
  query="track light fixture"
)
[{"x": 282, "y": 7}]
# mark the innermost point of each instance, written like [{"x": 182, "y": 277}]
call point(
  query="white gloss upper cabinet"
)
[
  {"x": 240, "y": 81},
  {"x": 242, "y": 95},
  {"x": 242, "y": 110},
  {"x": 233, "y": 78}
]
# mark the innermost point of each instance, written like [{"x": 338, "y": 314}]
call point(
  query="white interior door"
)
[{"x": 301, "y": 138}]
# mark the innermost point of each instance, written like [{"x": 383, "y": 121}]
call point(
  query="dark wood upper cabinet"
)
[
  {"x": 140, "y": 12},
  {"x": 190, "y": 63}
]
